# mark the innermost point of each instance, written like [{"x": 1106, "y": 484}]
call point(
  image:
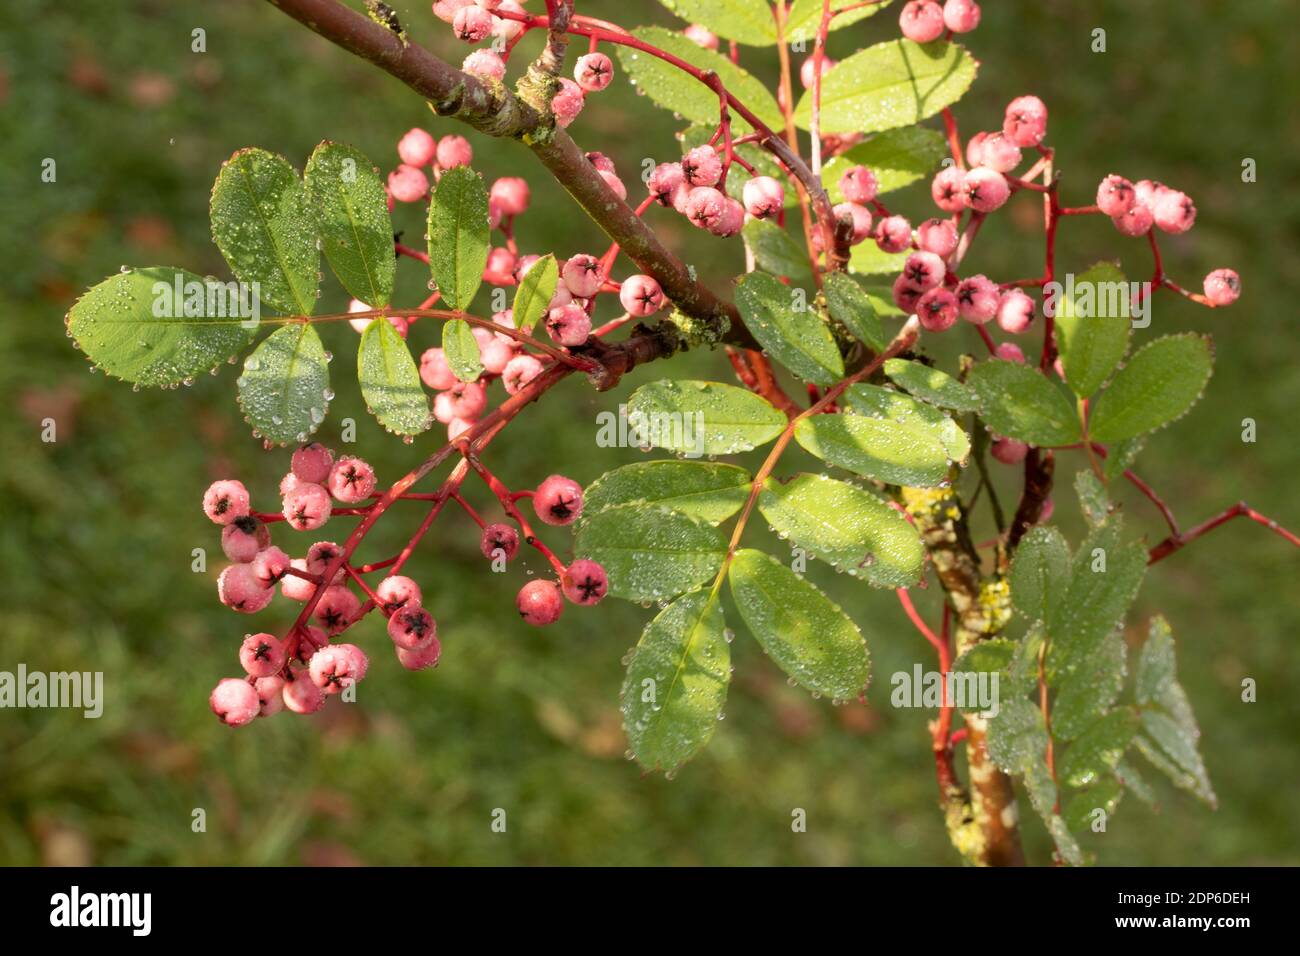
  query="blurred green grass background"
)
[{"x": 99, "y": 526}]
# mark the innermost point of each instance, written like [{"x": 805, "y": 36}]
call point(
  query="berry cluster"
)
[{"x": 300, "y": 670}]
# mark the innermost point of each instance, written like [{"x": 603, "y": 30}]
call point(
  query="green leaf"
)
[
  {"x": 650, "y": 553},
  {"x": 775, "y": 251},
  {"x": 745, "y": 21},
  {"x": 887, "y": 403},
  {"x": 938, "y": 388},
  {"x": 1042, "y": 792},
  {"x": 895, "y": 452},
  {"x": 390, "y": 380},
  {"x": 1171, "y": 747},
  {"x": 1093, "y": 499},
  {"x": 284, "y": 389},
  {"x": 461, "y": 350},
  {"x": 896, "y": 83},
  {"x": 986, "y": 657},
  {"x": 1103, "y": 796},
  {"x": 867, "y": 259},
  {"x": 1040, "y": 572},
  {"x": 849, "y": 305},
  {"x": 709, "y": 491},
  {"x": 352, "y": 212},
  {"x": 1019, "y": 402},
  {"x": 805, "y": 16},
  {"x": 676, "y": 682},
  {"x": 881, "y": 296},
  {"x": 847, "y": 527},
  {"x": 534, "y": 293},
  {"x": 1016, "y": 734},
  {"x": 1156, "y": 668},
  {"x": 1121, "y": 455},
  {"x": 675, "y": 90},
  {"x": 898, "y": 157},
  {"x": 264, "y": 227},
  {"x": 802, "y": 630},
  {"x": 1094, "y": 755},
  {"x": 707, "y": 418},
  {"x": 1157, "y": 385},
  {"x": 1090, "y": 690},
  {"x": 791, "y": 332},
  {"x": 1022, "y": 672},
  {"x": 134, "y": 326},
  {"x": 458, "y": 236},
  {"x": 1092, "y": 325},
  {"x": 1104, "y": 579}
]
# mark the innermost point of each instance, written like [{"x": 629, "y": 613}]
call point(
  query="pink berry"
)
[
  {"x": 512, "y": 194},
  {"x": 948, "y": 189},
  {"x": 1025, "y": 121},
  {"x": 924, "y": 271},
  {"x": 701, "y": 36},
  {"x": 859, "y": 184},
  {"x": 337, "y": 609},
  {"x": 641, "y": 295},
  {"x": 893, "y": 234},
  {"x": 499, "y": 537},
  {"x": 539, "y": 603},
  {"x": 558, "y": 500},
  {"x": 1115, "y": 195},
  {"x": 585, "y": 582},
  {"x": 289, "y": 482},
  {"x": 1015, "y": 311},
  {"x": 1148, "y": 192},
  {"x": 961, "y": 16},
  {"x": 337, "y": 668},
  {"x": 582, "y": 276},
  {"x": 569, "y": 324},
  {"x": 351, "y": 480},
  {"x": 859, "y": 215},
  {"x": 446, "y": 10},
  {"x": 496, "y": 355},
  {"x": 905, "y": 297},
  {"x": 407, "y": 184},
  {"x": 763, "y": 197},
  {"x": 506, "y": 29},
  {"x": 613, "y": 182},
  {"x": 270, "y": 566},
  {"x": 262, "y": 655},
  {"x": 977, "y": 299},
  {"x": 457, "y": 427},
  {"x": 454, "y": 151},
  {"x": 320, "y": 556},
  {"x": 310, "y": 640},
  {"x": 269, "y": 695},
  {"x": 807, "y": 71},
  {"x": 435, "y": 371},
  {"x": 732, "y": 219},
  {"x": 1009, "y": 451},
  {"x": 484, "y": 64},
  {"x": 417, "y": 148},
  {"x": 302, "y": 696},
  {"x": 986, "y": 189},
  {"x": 664, "y": 181},
  {"x": 419, "y": 658},
  {"x": 500, "y": 268},
  {"x": 598, "y": 159},
  {"x": 1045, "y": 513},
  {"x": 224, "y": 501},
  {"x": 297, "y": 588},
  {"x": 234, "y": 701},
  {"x": 312, "y": 463},
  {"x": 397, "y": 590},
  {"x": 239, "y": 589},
  {"x": 997, "y": 153},
  {"x": 938, "y": 236},
  {"x": 937, "y": 310},
  {"x": 519, "y": 371},
  {"x": 411, "y": 626},
  {"x": 567, "y": 103},
  {"x": 1222, "y": 287},
  {"x": 593, "y": 72},
  {"x": 1135, "y": 221},
  {"x": 472, "y": 24},
  {"x": 704, "y": 206},
  {"x": 464, "y": 400},
  {"x": 921, "y": 21},
  {"x": 1010, "y": 352},
  {"x": 243, "y": 538},
  {"x": 1174, "y": 211},
  {"x": 702, "y": 166},
  {"x": 307, "y": 507}
]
